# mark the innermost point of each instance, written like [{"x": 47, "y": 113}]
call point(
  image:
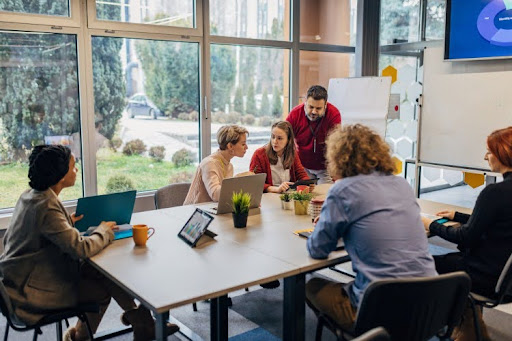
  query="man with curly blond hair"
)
[{"x": 377, "y": 216}]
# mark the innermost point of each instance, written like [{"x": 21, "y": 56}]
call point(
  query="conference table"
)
[{"x": 167, "y": 273}]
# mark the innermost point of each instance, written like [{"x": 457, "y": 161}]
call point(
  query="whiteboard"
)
[
  {"x": 362, "y": 100},
  {"x": 463, "y": 102}
]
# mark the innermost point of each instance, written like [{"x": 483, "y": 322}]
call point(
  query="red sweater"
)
[
  {"x": 304, "y": 137},
  {"x": 261, "y": 164}
]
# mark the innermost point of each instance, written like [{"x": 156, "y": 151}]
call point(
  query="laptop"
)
[
  {"x": 252, "y": 184},
  {"x": 116, "y": 207}
]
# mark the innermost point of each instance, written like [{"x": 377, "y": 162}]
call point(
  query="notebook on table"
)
[{"x": 116, "y": 207}]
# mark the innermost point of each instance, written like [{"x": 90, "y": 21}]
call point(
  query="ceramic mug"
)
[
  {"x": 140, "y": 234},
  {"x": 303, "y": 188}
]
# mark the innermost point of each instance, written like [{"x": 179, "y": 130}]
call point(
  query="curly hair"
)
[
  {"x": 47, "y": 166},
  {"x": 356, "y": 149},
  {"x": 500, "y": 145}
]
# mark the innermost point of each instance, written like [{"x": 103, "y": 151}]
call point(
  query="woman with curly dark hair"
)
[
  {"x": 377, "y": 216},
  {"x": 43, "y": 268}
]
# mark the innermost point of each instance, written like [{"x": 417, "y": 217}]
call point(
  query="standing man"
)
[{"x": 311, "y": 122}]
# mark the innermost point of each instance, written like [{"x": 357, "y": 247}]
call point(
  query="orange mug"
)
[
  {"x": 140, "y": 234},
  {"x": 303, "y": 188}
]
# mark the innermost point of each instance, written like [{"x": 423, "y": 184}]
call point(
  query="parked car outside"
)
[{"x": 140, "y": 105}]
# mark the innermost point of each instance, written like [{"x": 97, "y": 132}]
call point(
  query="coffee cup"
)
[{"x": 141, "y": 234}]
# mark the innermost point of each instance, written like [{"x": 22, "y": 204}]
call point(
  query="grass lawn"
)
[{"x": 145, "y": 173}]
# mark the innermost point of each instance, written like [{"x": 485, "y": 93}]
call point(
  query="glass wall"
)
[
  {"x": 39, "y": 104},
  {"x": 139, "y": 88},
  {"x": 399, "y": 21}
]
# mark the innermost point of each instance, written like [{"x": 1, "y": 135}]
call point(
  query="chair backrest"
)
[
  {"x": 504, "y": 281},
  {"x": 7, "y": 309},
  {"x": 376, "y": 334},
  {"x": 171, "y": 195},
  {"x": 413, "y": 308}
]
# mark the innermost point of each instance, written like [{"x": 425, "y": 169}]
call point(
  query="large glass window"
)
[
  {"x": 435, "y": 19},
  {"x": 39, "y": 104},
  {"x": 178, "y": 13},
  {"x": 146, "y": 103},
  {"x": 399, "y": 21},
  {"x": 261, "y": 19},
  {"x": 319, "y": 67},
  {"x": 45, "y": 7},
  {"x": 248, "y": 90},
  {"x": 328, "y": 22}
]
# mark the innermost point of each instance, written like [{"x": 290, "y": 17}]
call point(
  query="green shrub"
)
[
  {"x": 183, "y": 158},
  {"x": 193, "y": 116},
  {"x": 134, "y": 147},
  {"x": 115, "y": 143},
  {"x": 183, "y": 116},
  {"x": 157, "y": 153},
  {"x": 119, "y": 183},
  {"x": 233, "y": 117},
  {"x": 265, "y": 121},
  {"x": 182, "y": 176},
  {"x": 248, "y": 119},
  {"x": 219, "y": 117}
]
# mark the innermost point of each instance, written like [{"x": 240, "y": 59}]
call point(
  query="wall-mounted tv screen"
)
[{"x": 477, "y": 29}]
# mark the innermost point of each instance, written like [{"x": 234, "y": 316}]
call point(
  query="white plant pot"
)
[{"x": 287, "y": 205}]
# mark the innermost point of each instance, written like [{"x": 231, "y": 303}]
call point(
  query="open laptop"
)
[
  {"x": 116, "y": 207},
  {"x": 252, "y": 184}
]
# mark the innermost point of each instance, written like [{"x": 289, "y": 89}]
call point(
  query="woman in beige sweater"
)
[
  {"x": 43, "y": 268},
  {"x": 216, "y": 167}
]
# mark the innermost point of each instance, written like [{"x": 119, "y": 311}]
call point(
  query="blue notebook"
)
[{"x": 116, "y": 207}]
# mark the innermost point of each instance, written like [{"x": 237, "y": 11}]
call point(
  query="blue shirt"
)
[{"x": 379, "y": 220}]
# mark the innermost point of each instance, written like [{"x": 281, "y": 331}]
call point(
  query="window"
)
[
  {"x": 319, "y": 67},
  {"x": 39, "y": 104},
  {"x": 262, "y": 19},
  {"x": 45, "y": 7},
  {"x": 248, "y": 90},
  {"x": 178, "y": 13},
  {"x": 435, "y": 19},
  {"x": 399, "y": 21},
  {"x": 328, "y": 22},
  {"x": 146, "y": 103}
]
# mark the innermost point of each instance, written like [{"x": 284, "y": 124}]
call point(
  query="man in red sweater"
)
[{"x": 311, "y": 122}]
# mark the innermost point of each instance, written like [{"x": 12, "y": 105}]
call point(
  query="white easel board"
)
[{"x": 362, "y": 100}]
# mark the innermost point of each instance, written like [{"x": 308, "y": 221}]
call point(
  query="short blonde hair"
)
[
  {"x": 229, "y": 134},
  {"x": 356, "y": 149}
]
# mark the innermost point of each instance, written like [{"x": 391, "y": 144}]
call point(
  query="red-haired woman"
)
[
  {"x": 485, "y": 237},
  {"x": 279, "y": 159}
]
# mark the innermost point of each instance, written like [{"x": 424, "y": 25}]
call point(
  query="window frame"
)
[{"x": 59, "y": 22}]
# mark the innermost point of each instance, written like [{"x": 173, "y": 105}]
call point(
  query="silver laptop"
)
[{"x": 252, "y": 184}]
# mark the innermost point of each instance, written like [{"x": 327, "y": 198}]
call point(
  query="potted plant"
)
[
  {"x": 301, "y": 202},
  {"x": 240, "y": 203},
  {"x": 286, "y": 201}
]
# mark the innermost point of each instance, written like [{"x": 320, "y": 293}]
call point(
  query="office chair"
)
[
  {"x": 171, "y": 195},
  {"x": 502, "y": 287},
  {"x": 408, "y": 308},
  {"x": 55, "y": 317},
  {"x": 376, "y": 334}
]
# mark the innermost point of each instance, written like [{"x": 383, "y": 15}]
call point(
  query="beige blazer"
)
[{"x": 42, "y": 255}]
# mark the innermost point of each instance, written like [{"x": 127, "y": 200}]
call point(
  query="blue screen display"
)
[{"x": 478, "y": 29}]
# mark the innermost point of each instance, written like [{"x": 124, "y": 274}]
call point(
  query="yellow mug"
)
[{"x": 140, "y": 234}]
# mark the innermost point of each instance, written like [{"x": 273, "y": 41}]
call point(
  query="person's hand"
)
[
  {"x": 284, "y": 187},
  {"x": 111, "y": 224},
  {"x": 450, "y": 215},
  {"x": 426, "y": 223},
  {"x": 316, "y": 220},
  {"x": 311, "y": 188},
  {"x": 74, "y": 218}
]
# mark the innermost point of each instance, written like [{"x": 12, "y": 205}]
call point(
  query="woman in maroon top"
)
[{"x": 279, "y": 159}]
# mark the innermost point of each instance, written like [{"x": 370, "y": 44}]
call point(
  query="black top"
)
[{"x": 485, "y": 237}]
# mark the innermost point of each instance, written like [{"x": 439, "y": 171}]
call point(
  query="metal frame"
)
[{"x": 74, "y": 20}]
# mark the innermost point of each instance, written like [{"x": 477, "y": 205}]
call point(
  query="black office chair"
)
[
  {"x": 409, "y": 308},
  {"x": 376, "y": 334},
  {"x": 501, "y": 291},
  {"x": 55, "y": 317}
]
